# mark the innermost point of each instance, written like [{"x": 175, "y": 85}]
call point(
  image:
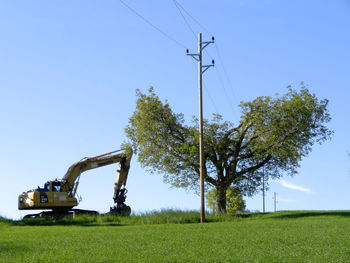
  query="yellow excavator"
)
[{"x": 60, "y": 195}]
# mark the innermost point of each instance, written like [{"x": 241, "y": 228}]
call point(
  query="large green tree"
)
[{"x": 275, "y": 132}]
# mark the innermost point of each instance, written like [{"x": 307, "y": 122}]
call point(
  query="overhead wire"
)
[
  {"x": 152, "y": 25},
  {"x": 225, "y": 73},
  {"x": 222, "y": 84},
  {"x": 195, "y": 36},
  {"x": 195, "y": 20},
  {"x": 170, "y": 38},
  {"x": 225, "y": 91},
  {"x": 179, "y": 7},
  {"x": 183, "y": 17},
  {"x": 207, "y": 90}
]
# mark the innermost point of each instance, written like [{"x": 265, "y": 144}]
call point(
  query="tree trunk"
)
[{"x": 220, "y": 207}]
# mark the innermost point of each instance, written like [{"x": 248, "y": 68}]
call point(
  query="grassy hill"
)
[{"x": 170, "y": 236}]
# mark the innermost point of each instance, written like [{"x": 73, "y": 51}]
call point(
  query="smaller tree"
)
[
  {"x": 236, "y": 204},
  {"x": 234, "y": 200}
]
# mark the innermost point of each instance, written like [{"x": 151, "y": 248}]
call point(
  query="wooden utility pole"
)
[
  {"x": 201, "y": 70},
  {"x": 201, "y": 160},
  {"x": 263, "y": 189}
]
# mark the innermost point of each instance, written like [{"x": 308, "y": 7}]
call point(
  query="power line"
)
[
  {"x": 195, "y": 20},
  {"x": 210, "y": 97},
  {"x": 180, "y": 7},
  {"x": 225, "y": 72},
  {"x": 207, "y": 91},
  {"x": 169, "y": 37},
  {"x": 223, "y": 87},
  {"x": 188, "y": 25},
  {"x": 221, "y": 82},
  {"x": 194, "y": 34},
  {"x": 152, "y": 25}
]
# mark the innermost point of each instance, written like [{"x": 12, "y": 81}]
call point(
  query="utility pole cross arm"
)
[
  {"x": 206, "y": 43},
  {"x": 205, "y": 67},
  {"x": 195, "y": 56}
]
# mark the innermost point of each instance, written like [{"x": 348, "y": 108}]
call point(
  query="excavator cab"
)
[{"x": 48, "y": 197}]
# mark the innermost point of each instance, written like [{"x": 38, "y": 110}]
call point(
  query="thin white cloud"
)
[
  {"x": 294, "y": 187},
  {"x": 285, "y": 200}
]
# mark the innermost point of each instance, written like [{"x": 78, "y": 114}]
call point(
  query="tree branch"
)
[
  {"x": 229, "y": 132},
  {"x": 253, "y": 168},
  {"x": 252, "y": 138}
]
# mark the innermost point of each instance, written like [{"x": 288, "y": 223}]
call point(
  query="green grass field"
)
[{"x": 171, "y": 236}]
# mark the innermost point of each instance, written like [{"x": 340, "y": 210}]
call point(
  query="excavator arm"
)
[
  {"x": 123, "y": 172},
  {"x": 71, "y": 179}
]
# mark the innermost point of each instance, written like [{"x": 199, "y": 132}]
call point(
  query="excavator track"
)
[
  {"x": 120, "y": 210},
  {"x": 61, "y": 214}
]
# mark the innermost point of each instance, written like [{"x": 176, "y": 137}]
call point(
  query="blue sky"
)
[{"x": 69, "y": 71}]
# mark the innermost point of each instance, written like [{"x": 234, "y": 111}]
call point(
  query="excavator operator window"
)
[
  {"x": 46, "y": 186},
  {"x": 56, "y": 186}
]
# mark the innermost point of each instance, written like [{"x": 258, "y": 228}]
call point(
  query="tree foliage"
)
[{"x": 272, "y": 132}]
